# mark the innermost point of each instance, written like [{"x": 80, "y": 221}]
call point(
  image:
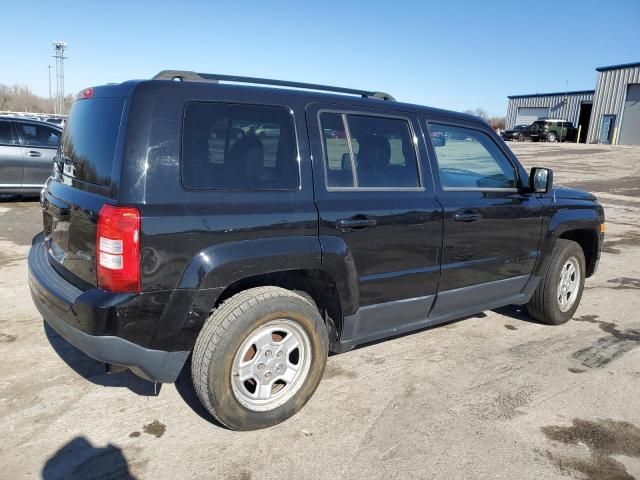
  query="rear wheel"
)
[
  {"x": 558, "y": 295},
  {"x": 259, "y": 357}
]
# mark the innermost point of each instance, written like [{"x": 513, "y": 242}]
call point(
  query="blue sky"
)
[{"x": 449, "y": 54}]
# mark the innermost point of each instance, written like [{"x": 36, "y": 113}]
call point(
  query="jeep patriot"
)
[{"x": 243, "y": 230}]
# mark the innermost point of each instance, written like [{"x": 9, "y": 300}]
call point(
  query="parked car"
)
[
  {"x": 549, "y": 130},
  {"x": 267, "y": 130},
  {"x": 27, "y": 149},
  {"x": 254, "y": 259},
  {"x": 513, "y": 133},
  {"x": 59, "y": 121}
]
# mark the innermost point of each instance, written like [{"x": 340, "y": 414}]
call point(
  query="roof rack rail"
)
[{"x": 183, "y": 75}]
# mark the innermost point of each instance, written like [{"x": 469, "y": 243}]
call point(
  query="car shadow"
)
[
  {"x": 79, "y": 460},
  {"x": 19, "y": 198},
  {"x": 517, "y": 312},
  {"x": 184, "y": 387},
  {"x": 95, "y": 371}
]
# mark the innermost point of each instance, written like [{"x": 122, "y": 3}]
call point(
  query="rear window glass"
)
[
  {"x": 238, "y": 147},
  {"x": 89, "y": 140}
]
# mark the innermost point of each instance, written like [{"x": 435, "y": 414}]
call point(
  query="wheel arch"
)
[{"x": 581, "y": 226}]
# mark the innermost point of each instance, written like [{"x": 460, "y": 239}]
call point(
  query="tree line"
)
[
  {"x": 495, "y": 122},
  {"x": 20, "y": 98}
]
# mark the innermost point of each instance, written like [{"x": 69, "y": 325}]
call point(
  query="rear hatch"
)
[{"x": 82, "y": 182}]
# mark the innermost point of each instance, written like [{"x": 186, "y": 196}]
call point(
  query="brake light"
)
[
  {"x": 118, "y": 249},
  {"x": 86, "y": 93}
]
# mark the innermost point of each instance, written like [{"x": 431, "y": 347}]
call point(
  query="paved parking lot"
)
[{"x": 493, "y": 396}]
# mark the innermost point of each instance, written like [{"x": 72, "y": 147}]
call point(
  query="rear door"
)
[
  {"x": 10, "y": 157},
  {"x": 378, "y": 212},
  {"x": 39, "y": 144},
  {"x": 491, "y": 227},
  {"x": 82, "y": 183}
]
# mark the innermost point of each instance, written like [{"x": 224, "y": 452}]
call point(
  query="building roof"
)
[
  {"x": 618, "y": 67},
  {"x": 554, "y": 94}
]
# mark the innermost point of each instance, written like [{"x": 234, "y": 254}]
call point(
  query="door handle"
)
[
  {"x": 355, "y": 223},
  {"x": 466, "y": 216},
  {"x": 33, "y": 153}
]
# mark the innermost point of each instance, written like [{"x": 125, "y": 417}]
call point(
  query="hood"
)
[{"x": 572, "y": 193}]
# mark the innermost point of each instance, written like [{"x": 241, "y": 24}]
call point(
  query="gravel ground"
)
[{"x": 493, "y": 396}]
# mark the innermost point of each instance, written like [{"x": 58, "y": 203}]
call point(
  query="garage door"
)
[
  {"x": 630, "y": 127},
  {"x": 528, "y": 115}
]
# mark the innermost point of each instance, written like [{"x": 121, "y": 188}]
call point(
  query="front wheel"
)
[
  {"x": 558, "y": 295},
  {"x": 259, "y": 357},
  {"x": 551, "y": 137}
]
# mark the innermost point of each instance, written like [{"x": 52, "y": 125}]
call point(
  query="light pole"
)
[{"x": 59, "y": 48}]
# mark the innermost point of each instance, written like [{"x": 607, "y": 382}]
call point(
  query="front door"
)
[
  {"x": 607, "y": 128},
  {"x": 491, "y": 228},
  {"x": 10, "y": 158},
  {"x": 39, "y": 144},
  {"x": 378, "y": 213}
]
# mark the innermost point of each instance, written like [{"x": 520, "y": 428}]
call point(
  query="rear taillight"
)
[{"x": 118, "y": 249}]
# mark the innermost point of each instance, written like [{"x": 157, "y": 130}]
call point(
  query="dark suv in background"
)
[
  {"x": 251, "y": 230},
  {"x": 27, "y": 148},
  {"x": 549, "y": 130}
]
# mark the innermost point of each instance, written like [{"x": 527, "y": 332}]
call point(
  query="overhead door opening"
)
[
  {"x": 583, "y": 121},
  {"x": 528, "y": 115}
]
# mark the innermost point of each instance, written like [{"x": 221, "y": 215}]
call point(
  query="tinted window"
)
[
  {"x": 238, "y": 147},
  {"x": 470, "y": 159},
  {"x": 338, "y": 162},
  {"x": 6, "y": 138},
  {"x": 89, "y": 140},
  {"x": 35, "y": 135},
  {"x": 383, "y": 152}
]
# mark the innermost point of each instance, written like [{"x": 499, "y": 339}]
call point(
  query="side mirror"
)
[{"x": 540, "y": 180}]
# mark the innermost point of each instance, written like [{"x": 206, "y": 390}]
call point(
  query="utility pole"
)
[{"x": 58, "y": 49}]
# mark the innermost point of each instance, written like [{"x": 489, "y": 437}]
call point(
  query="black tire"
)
[
  {"x": 544, "y": 304},
  {"x": 551, "y": 137},
  {"x": 521, "y": 137},
  {"x": 223, "y": 335}
]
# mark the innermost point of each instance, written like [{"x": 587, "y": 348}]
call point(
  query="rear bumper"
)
[{"x": 71, "y": 312}]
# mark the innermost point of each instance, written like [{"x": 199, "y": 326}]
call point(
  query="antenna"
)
[{"x": 58, "y": 50}]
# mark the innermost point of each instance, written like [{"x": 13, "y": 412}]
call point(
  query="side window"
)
[
  {"x": 469, "y": 159},
  {"x": 38, "y": 135},
  {"x": 381, "y": 149},
  {"x": 338, "y": 162},
  {"x": 238, "y": 147},
  {"x": 6, "y": 137}
]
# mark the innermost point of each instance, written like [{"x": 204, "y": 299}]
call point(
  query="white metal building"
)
[{"x": 609, "y": 114}]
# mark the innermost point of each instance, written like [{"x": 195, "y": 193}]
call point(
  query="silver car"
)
[{"x": 27, "y": 149}]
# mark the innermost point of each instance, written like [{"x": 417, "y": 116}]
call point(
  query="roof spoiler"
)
[{"x": 187, "y": 76}]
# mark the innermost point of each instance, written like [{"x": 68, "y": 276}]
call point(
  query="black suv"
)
[
  {"x": 174, "y": 230},
  {"x": 549, "y": 130}
]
